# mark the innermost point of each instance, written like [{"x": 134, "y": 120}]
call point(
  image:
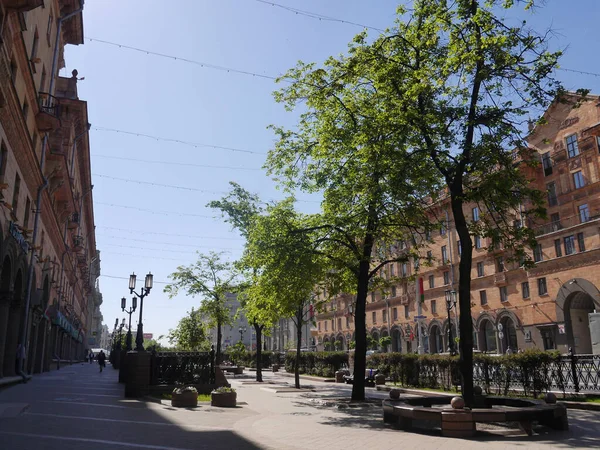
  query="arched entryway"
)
[
  {"x": 436, "y": 342},
  {"x": 374, "y": 340},
  {"x": 396, "y": 340},
  {"x": 340, "y": 343},
  {"x": 5, "y": 301},
  {"x": 487, "y": 336},
  {"x": 384, "y": 334},
  {"x": 577, "y": 309},
  {"x": 509, "y": 335},
  {"x": 13, "y": 326}
]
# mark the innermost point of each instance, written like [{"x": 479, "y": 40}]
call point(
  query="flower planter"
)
[
  {"x": 185, "y": 399},
  {"x": 223, "y": 399}
]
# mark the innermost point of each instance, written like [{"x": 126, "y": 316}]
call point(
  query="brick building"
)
[
  {"x": 553, "y": 305},
  {"x": 48, "y": 259}
]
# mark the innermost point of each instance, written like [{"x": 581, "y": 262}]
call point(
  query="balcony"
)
[
  {"x": 500, "y": 279},
  {"x": 559, "y": 155},
  {"x": 74, "y": 220},
  {"x": 23, "y": 5},
  {"x": 48, "y": 117},
  {"x": 566, "y": 222}
]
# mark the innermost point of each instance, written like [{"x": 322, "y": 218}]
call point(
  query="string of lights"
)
[
  {"x": 317, "y": 16},
  {"x": 188, "y": 244},
  {"x": 170, "y": 234},
  {"x": 176, "y": 141},
  {"x": 95, "y": 155},
  {"x": 162, "y": 213},
  {"x": 185, "y": 60}
]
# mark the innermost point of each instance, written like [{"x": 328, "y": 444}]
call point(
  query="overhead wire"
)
[
  {"x": 160, "y": 243},
  {"x": 171, "y": 163},
  {"x": 152, "y": 211},
  {"x": 170, "y": 234},
  {"x": 170, "y": 251},
  {"x": 177, "y": 141}
]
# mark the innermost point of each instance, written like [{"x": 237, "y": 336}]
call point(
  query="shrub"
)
[
  {"x": 223, "y": 389},
  {"x": 323, "y": 364}
]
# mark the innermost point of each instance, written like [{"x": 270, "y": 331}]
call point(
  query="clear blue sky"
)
[{"x": 132, "y": 91}]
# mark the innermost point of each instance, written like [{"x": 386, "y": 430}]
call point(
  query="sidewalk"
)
[{"x": 78, "y": 407}]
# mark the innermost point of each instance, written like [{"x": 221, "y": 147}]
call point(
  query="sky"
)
[{"x": 157, "y": 227}]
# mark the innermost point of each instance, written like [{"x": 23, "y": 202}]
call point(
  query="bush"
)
[
  {"x": 322, "y": 364},
  {"x": 249, "y": 359},
  {"x": 530, "y": 371}
]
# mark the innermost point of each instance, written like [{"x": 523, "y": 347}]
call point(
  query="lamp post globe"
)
[{"x": 145, "y": 290}]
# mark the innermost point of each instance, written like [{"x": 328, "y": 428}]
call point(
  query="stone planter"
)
[
  {"x": 186, "y": 399},
  {"x": 379, "y": 379},
  {"x": 223, "y": 399}
]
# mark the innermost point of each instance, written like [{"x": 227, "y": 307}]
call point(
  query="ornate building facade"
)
[
  {"x": 48, "y": 259},
  {"x": 553, "y": 305}
]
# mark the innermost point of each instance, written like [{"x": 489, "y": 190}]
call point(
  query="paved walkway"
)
[{"x": 80, "y": 408}]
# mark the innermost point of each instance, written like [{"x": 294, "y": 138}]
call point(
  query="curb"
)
[
  {"x": 587, "y": 406},
  {"x": 308, "y": 377}
]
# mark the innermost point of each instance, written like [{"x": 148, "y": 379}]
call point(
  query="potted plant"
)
[
  {"x": 223, "y": 397},
  {"x": 184, "y": 397}
]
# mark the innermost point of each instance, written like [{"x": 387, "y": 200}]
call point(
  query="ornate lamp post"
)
[
  {"x": 242, "y": 330},
  {"x": 139, "y": 339},
  {"x": 450, "y": 303},
  {"x": 129, "y": 311}
]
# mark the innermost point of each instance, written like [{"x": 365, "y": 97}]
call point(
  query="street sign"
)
[{"x": 417, "y": 318}]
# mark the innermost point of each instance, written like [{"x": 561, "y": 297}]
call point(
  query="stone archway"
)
[
  {"x": 436, "y": 341},
  {"x": 375, "y": 340},
  {"x": 509, "y": 335},
  {"x": 577, "y": 299},
  {"x": 487, "y": 336},
  {"x": 13, "y": 326},
  {"x": 396, "y": 339},
  {"x": 340, "y": 343},
  {"x": 446, "y": 337},
  {"x": 386, "y": 348}
]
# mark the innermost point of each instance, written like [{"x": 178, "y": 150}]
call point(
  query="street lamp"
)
[
  {"x": 242, "y": 330},
  {"x": 139, "y": 339},
  {"x": 129, "y": 311},
  {"x": 450, "y": 303}
]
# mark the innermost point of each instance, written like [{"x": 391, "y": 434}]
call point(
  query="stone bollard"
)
[
  {"x": 379, "y": 379},
  {"x": 275, "y": 367},
  {"x": 339, "y": 376}
]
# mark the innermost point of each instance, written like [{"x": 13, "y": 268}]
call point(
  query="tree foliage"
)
[{"x": 190, "y": 333}]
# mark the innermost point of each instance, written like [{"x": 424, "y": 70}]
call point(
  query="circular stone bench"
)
[{"x": 462, "y": 422}]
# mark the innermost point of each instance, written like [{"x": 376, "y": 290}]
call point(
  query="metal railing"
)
[
  {"x": 182, "y": 368},
  {"x": 49, "y": 104},
  {"x": 564, "y": 223}
]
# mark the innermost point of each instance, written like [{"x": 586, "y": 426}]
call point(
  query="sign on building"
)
[{"x": 148, "y": 335}]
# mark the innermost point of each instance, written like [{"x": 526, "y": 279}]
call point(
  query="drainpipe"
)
[{"x": 24, "y": 331}]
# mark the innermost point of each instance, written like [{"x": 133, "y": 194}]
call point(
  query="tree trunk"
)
[
  {"x": 360, "y": 348},
  {"x": 258, "y": 328},
  {"x": 299, "y": 315},
  {"x": 464, "y": 295},
  {"x": 219, "y": 335}
]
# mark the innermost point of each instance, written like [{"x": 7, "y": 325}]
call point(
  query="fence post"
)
[
  {"x": 212, "y": 364},
  {"x": 574, "y": 369}
]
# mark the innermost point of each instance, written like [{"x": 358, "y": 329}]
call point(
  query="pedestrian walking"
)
[
  {"x": 91, "y": 357},
  {"x": 101, "y": 360}
]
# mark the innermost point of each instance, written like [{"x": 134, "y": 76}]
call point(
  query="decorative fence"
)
[{"x": 171, "y": 368}]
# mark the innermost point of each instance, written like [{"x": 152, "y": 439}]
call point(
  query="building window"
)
[
  {"x": 584, "y": 213},
  {"x": 500, "y": 264},
  {"x": 332, "y": 325},
  {"x": 459, "y": 247},
  {"x": 416, "y": 263},
  {"x": 392, "y": 270},
  {"x": 374, "y": 316},
  {"x": 572, "y": 146},
  {"x": 427, "y": 235},
  {"x": 17, "y": 189},
  {"x": 34, "y": 49},
  {"x": 598, "y": 143},
  {"x": 542, "y": 288},
  {"x": 569, "y": 245},
  {"x": 578, "y": 179},
  {"x": 49, "y": 29},
  {"x": 384, "y": 316},
  {"x": 406, "y": 315},
  {"x": 503, "y": 294},
  {"x": 477, "y": 242},
  {"x": 395, "y": 313},
  {"x": 431, "y": 281},
  {"x": 446, "y": 278},
  {"x": 27, "y": 211},
  {"x": 339, "y": 324},
  {"x": 13, "y": 71},
  {"x": 319, "y": 326},
  {"x": 552, "y": 198},
  {"x": 557, "y": 248},
  {"x": 429, "y": 256},
  {"x": 581, "y": 242},
  {"x": 3, "y": 159},
  {"x": 525, "y": 289},
  {"x": 548, "y": 339},
  {"x": 555, "y": 221},
  {"x": 433, "y": 307},
  {"x": 537, "y": 253},
  {"x": 482, "y": 298},
  {"x": 393, "y": 291},
  {"x": 547, "y": 163},
  {"x": 480, "y": 269},
  {"x": 372, "y": 296},
  {"x": 443, "y": 229},
  {"x": 444, "y": 254},
  {"x": 475, "y": 212},
  {"x": 404, "y": 269}
]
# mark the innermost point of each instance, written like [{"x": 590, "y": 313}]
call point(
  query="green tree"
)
[
  {"x": 384, "y": 342},
  {"x": 190, "y": 333},
  {"x": 286, "y": 269},
  {"x": 212, "y": 279},
  {"x": 240, "y": 208}
]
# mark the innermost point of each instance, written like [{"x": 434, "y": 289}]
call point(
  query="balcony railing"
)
[
  {"x": 565, "y": 223},
  {"x": 48, "y": 118}
]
